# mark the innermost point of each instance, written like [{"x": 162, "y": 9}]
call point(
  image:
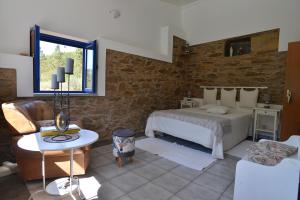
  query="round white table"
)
[{"x": 34, "y": 142}]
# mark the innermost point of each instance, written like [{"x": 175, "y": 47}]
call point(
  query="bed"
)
[{"x": 219, "y": 132}]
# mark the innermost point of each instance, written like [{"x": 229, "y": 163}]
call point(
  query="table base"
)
[{"x": 61, "y": 186}]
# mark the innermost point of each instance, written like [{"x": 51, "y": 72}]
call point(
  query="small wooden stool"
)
[{"x": 123, "y": 145}]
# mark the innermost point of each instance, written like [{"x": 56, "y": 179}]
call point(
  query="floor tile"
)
[
  {"x": 185, "y": 172},
  {"x": 137, "y": 151},
  {"x": 174, "y": 198},
  {"x": 94, "y": 153},
  {"x": 223, "y": 171},
  {"x": 149, "y": 171},
  {"x": 136, "y": 163},
  {"x": 171, "y": 182},
  {"x": 228, "y": 162},
  {"x": 225, "y": 198},
  {"x": 164, "y": 164},
  {"x": 229, "y": 191},
  {"x": 45, "y": 196},
  {"x": 128, "y": 182},
  {"x": 100, "y": 160},
  {"x": 125, "y": 198},
  {"x": 104, "y": 149},
  {"x": 150, "y": 192},
  {"x": 110, "y": 171},
  {"x": 101, "y": 179},
  {"x": 212, "y": 181},
  {"x": 148, "y": 157},
  {"x": 109, "y": 192},
  {"x": 194, "y": 191}
]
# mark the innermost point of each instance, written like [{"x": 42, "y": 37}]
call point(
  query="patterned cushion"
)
[
  {"x": 123, "y": 146},
  {"x": 269, "y": 152}
]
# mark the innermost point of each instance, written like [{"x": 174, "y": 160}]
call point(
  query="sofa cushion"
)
[{"x": 269, "y": 152}]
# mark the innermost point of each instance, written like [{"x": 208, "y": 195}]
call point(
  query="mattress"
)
[{"x": 240, "y": 126}]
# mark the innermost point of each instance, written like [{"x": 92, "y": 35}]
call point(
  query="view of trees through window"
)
[{"x": 54, "y": 55}]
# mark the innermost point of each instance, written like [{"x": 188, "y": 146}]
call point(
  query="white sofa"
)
[{"x": 259, "y": 182}]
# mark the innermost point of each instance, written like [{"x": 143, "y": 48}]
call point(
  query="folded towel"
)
[{"x": 51, "y": 130}]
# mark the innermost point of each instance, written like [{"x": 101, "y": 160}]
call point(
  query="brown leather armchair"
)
[{"x": 25, "y": 117}]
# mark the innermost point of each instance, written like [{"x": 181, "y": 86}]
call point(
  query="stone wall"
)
[
  {"x": 8, "y": 92},
  {"x": 264, "y": 66},
  {"x": 136, "y": 86}
]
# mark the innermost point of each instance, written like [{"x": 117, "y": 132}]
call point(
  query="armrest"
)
[
  {"x": 20, "y": 121},
  {"x": 294, "y": 140},
  {"x": 256, "y": 181}
]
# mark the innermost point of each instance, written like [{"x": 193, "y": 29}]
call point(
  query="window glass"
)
[
  {"x": 53, "y": 55},
  {"x": 89, "y": 69},
  {"x": 51, "y": 51}
]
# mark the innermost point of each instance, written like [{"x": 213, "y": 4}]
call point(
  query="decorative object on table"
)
[
  {"x": 231, "y": 51},
  {"x": 61, "y": 102},
  {"x": 52, "y": 135},
  {"x": 123, "y": 145},
  {"x": 52, "y": 130},
  {"x": 237, "y": 46},
  {"x": 187, "y": 50},
  {"x": 189, "y": 95},
  {"x": 267, "y": 100}
]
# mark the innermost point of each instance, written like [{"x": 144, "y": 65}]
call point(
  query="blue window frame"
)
[{"x": 50, "y": 51}]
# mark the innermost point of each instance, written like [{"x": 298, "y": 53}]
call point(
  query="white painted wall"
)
[
  {"x": 139, "y": 25},
  {"x": 210, "y": 20},
  {"x": 145, "y": 28},
  {"x": 24, "y": 72}
]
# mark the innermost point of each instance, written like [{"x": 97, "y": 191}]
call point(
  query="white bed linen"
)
[{"x": 240, "y": 120}]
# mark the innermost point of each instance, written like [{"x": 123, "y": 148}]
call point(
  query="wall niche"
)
[{"x": 237, "y": 47}]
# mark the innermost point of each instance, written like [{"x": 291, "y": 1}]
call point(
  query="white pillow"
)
[
  {"x": 207, "y": 106},
  {"x": 218, "y": 110},
  {"x": 248, "y": 99},
  {"x": 210, "y": 96},
  {"x": 228, "y": 98}
]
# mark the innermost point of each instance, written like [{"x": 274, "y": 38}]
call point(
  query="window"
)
[{"x": 51, "y": 51}]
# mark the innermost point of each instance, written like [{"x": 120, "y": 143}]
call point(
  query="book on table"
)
[{"x": 51, "y": 130}]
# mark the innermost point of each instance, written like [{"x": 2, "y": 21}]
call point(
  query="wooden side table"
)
[
  {"x": 261, "y": 117},
  {"x": 186, "y": 104}
]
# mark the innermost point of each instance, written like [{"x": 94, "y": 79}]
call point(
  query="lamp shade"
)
[
  {"x": 69, "y": 66},
  {"x": 54, "y": 83},
  {"x": 61, "y": 74}
]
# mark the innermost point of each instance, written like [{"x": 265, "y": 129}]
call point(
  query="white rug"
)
[
  {"x": 180, "y": 154},
  {"x": 240, "y": 150}
]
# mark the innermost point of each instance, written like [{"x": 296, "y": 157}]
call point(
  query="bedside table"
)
[
  {"x": 266, "y": 121},
  {"x": 186, "y": 104}
]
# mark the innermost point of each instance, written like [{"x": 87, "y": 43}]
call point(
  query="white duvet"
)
[{"x": 215, "y": 131}]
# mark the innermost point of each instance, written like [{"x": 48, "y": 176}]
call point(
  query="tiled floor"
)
[{"x": 150, "y": 177}]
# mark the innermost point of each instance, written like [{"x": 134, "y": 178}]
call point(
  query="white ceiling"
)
[{"x": 179, "y": 2}]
